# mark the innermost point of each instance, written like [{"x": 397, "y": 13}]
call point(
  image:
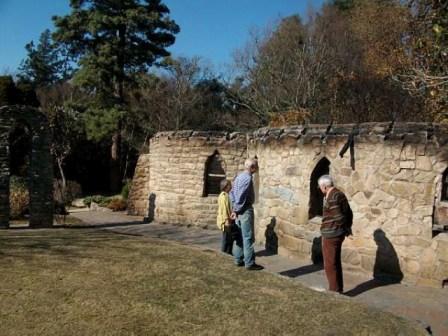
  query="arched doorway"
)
[
  {"x": 316, "y": 196},
  {"x": 213, "y": 174},
  {"x": 40, "y": 180}
]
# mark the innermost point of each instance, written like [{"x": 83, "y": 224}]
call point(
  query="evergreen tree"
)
[
  {"x": 8, "y": 91},
  {"x": 12, "y": 94},
  {"x": 112, "y": 41},
  {"x": 44, "y": 64}
]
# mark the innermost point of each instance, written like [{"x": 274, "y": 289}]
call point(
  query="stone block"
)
[
  {"x": 351, "y": 257},
  {"x": 407, "y": 164},
  {"x": 411, "y": 267},
  {"x": 381, "y": 196},
  {"x": 404, "y": 190},
  {"x": 441, "y": 271},
  {"x": 423, "y": 163},
  {"x": 367, "y": 263}
]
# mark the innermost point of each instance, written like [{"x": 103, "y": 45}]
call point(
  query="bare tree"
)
[{"x": 281, "y": 70}]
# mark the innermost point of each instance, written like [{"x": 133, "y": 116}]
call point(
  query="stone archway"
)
[
  {"x": 316, "y": 197},
  {"x": 41, "y": 167},
  {"x": 213, "y": 174}
]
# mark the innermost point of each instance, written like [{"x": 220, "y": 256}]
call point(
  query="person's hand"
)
[{"x": 233, "y": 216}]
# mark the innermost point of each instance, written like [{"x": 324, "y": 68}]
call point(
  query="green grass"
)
[{"x": 90, "y": 282}]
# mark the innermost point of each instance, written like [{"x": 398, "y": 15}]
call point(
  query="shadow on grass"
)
[
  {"x": 75, "y": 226},
  {"x": 25, "y": 244}
]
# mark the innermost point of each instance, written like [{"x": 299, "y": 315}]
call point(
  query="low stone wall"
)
[
  {"x": 176, "y": 177},
  {"x": 391, "y": 174}
]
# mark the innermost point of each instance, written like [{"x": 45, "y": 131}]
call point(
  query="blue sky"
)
[{"x": 211, "y": 29}]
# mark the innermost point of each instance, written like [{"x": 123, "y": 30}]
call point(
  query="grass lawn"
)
[
  {"x": 90, "y": 282},
  {"x": 58, "y": 220}
]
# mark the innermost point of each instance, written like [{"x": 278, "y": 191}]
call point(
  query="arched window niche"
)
[
  {"x": 316, "y": 196},
  {"x": 213, "y": 174},
  {"x": 440, "y": 208},
  {"x": 444, "y": 194}
]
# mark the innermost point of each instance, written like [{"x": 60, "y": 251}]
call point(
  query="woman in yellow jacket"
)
[{"x": 223, "y": 219}]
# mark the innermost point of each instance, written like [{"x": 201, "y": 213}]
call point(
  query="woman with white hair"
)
[{"x": 337, "y": 220}]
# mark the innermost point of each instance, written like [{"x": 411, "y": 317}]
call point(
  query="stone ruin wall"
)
[
  {"x": 395, "y": 186},
  {"x": 176, "y": 176},
  {"x": 138, "y": 198},
  {"x": 392, "y": 188},
  {"x": 41, "y": 168}
]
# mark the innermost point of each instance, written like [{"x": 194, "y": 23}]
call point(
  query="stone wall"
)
[
  {"x": 138, "y": 199},
  {"x": 393, "y": 186},
  {"x": 176, "y": 176},
  {"x": 41, "y": 165},
  {"x": 391, "y": 173}
]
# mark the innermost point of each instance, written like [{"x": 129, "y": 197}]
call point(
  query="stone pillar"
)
[
  {"x": 4, "y": 173},
  {"x": 41, "y": 181},
  {"x": 41, "y": 165}
]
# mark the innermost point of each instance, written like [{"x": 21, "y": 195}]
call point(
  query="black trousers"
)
[{"x": 228, "y": 238}]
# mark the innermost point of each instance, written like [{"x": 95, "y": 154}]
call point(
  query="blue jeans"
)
[{"x": 243, "y": 250}]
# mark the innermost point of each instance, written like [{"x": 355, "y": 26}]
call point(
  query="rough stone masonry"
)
[
  {"x": 394, "y": 174},
  {"x": 41, "y": 164}
]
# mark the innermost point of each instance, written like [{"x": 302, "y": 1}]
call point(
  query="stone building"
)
[{"x": 394, "y": 174}]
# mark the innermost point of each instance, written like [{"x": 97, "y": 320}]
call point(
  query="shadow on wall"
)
[
  {"x": 387, "y": 265},
  {"x": 316, "y": 257},
  {"x": 271, "y": 240},
  {"x": 271, "y": 244},
  {"x": 316, "y": 251},
  {"x": 151, "y": 208},
  {"x": 386, "y": 270}
]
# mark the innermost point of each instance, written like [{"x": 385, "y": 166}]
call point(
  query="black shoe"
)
[
  {"x": 255, "y": 267},
  {"x": 241, "y": 264}
]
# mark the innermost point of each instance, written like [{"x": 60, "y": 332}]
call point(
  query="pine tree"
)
[
  {"x": 43, "y": 65},
  {"x": 113, "y": 40}
]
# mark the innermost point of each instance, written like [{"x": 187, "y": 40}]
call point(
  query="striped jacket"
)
[{"x": 337, "y": 216}]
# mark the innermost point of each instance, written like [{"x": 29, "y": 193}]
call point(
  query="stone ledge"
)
[{"x": 409, "y": 132}]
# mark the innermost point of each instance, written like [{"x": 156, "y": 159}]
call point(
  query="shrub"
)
[
  {"x": 99, "y": 199},
  {"x": 126, "y": 188},
  {"x": 73, "y": 190},
  {"x": 117, "y": 204},
  {"x": 18, "y": 197}
]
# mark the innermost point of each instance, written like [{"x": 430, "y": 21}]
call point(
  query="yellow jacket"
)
[{"x": 224, "y": 210}]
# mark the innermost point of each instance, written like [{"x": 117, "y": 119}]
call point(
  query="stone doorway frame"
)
[
  {"x": 315, "y": 208},
  {"x": 40, "y": 182}
]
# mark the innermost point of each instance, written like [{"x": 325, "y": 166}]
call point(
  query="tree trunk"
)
[
  {"x": 115, "y": 158},
  {"x": 63, "y": 180}
]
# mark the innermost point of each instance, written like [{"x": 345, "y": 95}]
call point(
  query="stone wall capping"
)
[
  {"x": 234, "y": 135},
  {"x": 410, "y": 132},
  {"x": 184, "y": 134},
  {"x": 291, "y": 132}
]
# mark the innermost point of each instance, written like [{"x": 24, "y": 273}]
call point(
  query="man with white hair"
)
[
  {"x": 337, "y": 220},
  {"x": 243, "y": 196}
]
